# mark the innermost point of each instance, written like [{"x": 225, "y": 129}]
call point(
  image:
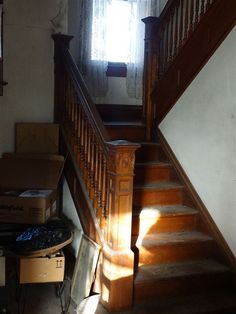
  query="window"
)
[{"x": 118, "y": 30}]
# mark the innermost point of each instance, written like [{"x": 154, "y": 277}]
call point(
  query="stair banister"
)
[
  {"x": 100, "y": 177},
  {"x": 177, "y": 45}
]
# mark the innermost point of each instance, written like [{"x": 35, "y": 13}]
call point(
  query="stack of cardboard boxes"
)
[{"x": 28, "y": 192}]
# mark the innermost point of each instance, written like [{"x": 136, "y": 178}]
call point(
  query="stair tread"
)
[
  {"x": 168, "y": 210},
  {"x": 153, "y": 163},
  {"x": 150, "y": 144},
  {"x": 124, "y": 123},
  {"x": 180, "y": 269},
  {"x": 161, "y": 185},
  {"x": 197, "y": 303},
  {"x": 172, "y": 238}
]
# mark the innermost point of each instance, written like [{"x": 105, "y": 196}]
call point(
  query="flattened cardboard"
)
[
  {"x": 19, "y": 174},
  {"x": 37, "y": 138},
  {"x": 42, "y": 269}
]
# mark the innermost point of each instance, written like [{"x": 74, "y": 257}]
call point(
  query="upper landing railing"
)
[{"x": 177, "y": 45}]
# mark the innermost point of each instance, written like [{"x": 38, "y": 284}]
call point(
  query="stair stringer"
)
[{"x": 206, "y": 221}]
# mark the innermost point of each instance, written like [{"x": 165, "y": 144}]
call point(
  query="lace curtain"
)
[
  {"x": 92, "y": 21},
  {"x": 93, "y": 37}
]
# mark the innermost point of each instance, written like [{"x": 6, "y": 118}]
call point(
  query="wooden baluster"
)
[
  {"x": 92, "y": 166},
  {"x": 161, "y": 55},
  {"x": 167, "y": 46},
  {"x": 186, "y": 21},
  {"x": 72, "y": 116},
  {"x": 68, "y": 108},
  {"x": 86, "y": 152},
  {"x": 89, "y": 159},
  {"x": 181, "y": 23},
  {"x": 99, "y": 187},
  {"x": 176, "y": 31},
  {"x": 208, "y": 4},
  {"x": 96, "y": 171},
  {"x": 202, "y": 8},
  {"x": 197, "y": 14},
  {"x": 78, "y": 132},
  {"x": 75, "y": 123},
  {"x": 62, "y": 113},
  {"x": 104, "y": 187},
  {"x": 191, "y": 21},
  {"x": 104, "y": 194},
  {"x": 82, "y": 144},
  {"x": 171, "y": 43}
]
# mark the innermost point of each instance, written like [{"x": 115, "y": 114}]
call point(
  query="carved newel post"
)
[
  {"x": 150, "y": 71},
  {"x": 118, "y": 259}
]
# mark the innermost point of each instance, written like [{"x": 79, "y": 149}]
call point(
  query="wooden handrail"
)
[
  {"x": 178, "y": 44},
  {"x": 99, "y": 174}
]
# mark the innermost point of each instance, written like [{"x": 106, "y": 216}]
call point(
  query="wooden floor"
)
[{"x": 42, "y": 299}]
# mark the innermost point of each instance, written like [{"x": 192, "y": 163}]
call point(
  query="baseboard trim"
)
[{"x": 203, "y": 211}]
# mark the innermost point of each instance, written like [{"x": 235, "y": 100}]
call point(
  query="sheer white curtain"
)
[
  {"x": 140, "y": 9},
  {"x": 91, "y": 40},
  {"x": 93, "y": 43}
]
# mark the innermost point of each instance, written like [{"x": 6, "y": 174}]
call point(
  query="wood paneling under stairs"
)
[{"x": 175, "y": 254}]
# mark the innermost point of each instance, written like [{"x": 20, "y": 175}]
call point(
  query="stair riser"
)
[
  {"x": 164, "y": 224},
  {"x": 151, "y": 174},
  {"x": 129, "y": 134},
  {"x": 149, "y": 153},
  {"x": 175, "y": 253},
  {"x": 181, "y": 286},
  {"x": 159, "y": 197}
]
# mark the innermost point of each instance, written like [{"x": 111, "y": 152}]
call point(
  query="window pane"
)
[{"x": 119, "y": 31}]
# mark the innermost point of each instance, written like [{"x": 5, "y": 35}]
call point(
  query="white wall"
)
[
  {"x": 28, "y": 65},
  {"x": 201, "y": 130}
]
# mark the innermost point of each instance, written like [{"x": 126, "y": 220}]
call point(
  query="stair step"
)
[
  {"x": 171, "y": 247},
  {"x": 130, "y": 131},
  {"x": 161, "y": 193},
  {"x": 163, "y": 219},
  {"x": 178, "y": 278},
  {"x": 213, "y": 302},
  {"x": 152, "y": 171},
  {"x": 149, "y": 151}
]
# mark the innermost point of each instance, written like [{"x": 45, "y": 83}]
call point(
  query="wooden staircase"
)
[
  {"x": 182, "y": 263},
  {"x": 175, "y": 253}
]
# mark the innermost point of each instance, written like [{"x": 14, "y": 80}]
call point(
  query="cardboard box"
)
[
  {"x": 2, "y": 271},
  {"x": 42, "y": 269},
  {"x": 21, "y": 174},
  {"x": 37, "y": 138}
]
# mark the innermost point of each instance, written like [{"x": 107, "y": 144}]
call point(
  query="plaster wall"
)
[
  {"x": 201, "y": 130},
  {"x": 28, "y": 63}
]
